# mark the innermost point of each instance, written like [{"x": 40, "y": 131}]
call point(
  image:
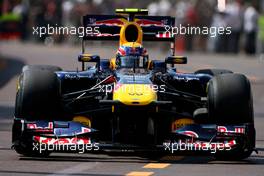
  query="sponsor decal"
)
[
  {"x": 186, "y": 78},
  {"x": 86, "y": 130},
  {"x": 72, "y": 76},
  {"x": 181, "y": 123},
  {"x": 148, "y": 23},
  {"x": 191, "y": 134},
  {"x": 35, "y": 127},
  {"x": 240, "y": 130},
  {"x": 223, "y": 129}
]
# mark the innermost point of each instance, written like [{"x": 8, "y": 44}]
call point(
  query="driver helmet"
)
[{"x": 129, "y": 55}]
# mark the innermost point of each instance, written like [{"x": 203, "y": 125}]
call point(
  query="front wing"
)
[{"x": 69, "y": 136}]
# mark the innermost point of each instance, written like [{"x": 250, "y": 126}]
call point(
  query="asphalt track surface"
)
[{"x": 15, "y": 55}]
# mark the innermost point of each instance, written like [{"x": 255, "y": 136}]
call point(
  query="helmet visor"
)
[{"x": 129, "y": 61}]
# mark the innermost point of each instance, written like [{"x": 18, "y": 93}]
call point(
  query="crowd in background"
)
[{"x": 243, "y": 16}]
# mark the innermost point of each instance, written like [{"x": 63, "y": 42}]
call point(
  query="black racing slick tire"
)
[
  {"x": 38, "y": 93},
  {"x": 213, "y": 72},
  {"x": 230, "y": 99},
  {"x": 29, "y": 151},
  {"x": 37, "y": 98},
  {"x": 230, "y": 103}
]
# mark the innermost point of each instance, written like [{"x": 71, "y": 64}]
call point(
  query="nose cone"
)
[{"x": 135, "y": 94}]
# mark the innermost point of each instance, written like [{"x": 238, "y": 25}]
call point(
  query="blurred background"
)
[{"x": 245, "y": 17}]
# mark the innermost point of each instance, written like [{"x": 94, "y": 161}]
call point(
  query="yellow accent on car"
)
[
  {"x": 130, "y": 10},
  {"x": 83, "y": 120},
  {"x": 179, "y": 60},
  {"x": 86, "y": 57},
  {"x": 135, "y": 94},
  {"x": 157, "y": 109},
  {"x": 113, "y": 64},
  {"x": 150, "y": 65},
  {"x": 123, "y": 40},
  {"x": 18, "y": 84},
  {"x": 180, "y": 123},
  {"x": 132, "y": 44}
]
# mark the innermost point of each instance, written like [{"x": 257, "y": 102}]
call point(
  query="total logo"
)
[{"x": 135, "y": 94}]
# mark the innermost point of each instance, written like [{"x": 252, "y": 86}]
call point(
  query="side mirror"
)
[
  {"x": 176, "y": 60},
  {"x": 158, "y": 65},
  {"x": 88, "y": 58}
]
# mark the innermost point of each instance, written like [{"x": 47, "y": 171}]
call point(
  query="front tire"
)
[
  {"x": 230, "y": 103},
  {"x": 230, "y": 99},
  {"x": 38, "y": 94},
  {"x": 37, "y": 99}
]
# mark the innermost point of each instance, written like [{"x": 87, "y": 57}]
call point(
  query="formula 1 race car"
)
[{"x": 132, "y": 103}]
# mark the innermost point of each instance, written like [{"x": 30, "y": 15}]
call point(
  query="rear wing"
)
[
  {"x": 154, "y": 28},
  {"x": 109, "y": 26}
]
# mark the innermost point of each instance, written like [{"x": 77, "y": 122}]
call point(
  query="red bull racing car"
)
[{"x": 131, "y": 102}]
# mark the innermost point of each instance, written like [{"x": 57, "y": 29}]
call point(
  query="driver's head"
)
[{"x": 129, "y": 55}]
